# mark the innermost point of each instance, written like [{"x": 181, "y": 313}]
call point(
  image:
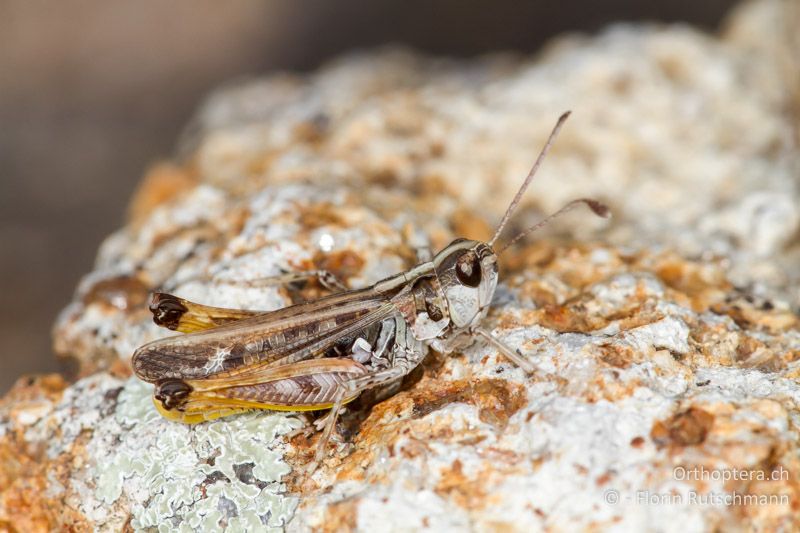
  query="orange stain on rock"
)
[
  {"x": 687, "y": 428},
  {"x": 162, "y": 183}
]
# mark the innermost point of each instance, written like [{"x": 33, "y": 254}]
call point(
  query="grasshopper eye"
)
[{"x": 468, "y": 270}]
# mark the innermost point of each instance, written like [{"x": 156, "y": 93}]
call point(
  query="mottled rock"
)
[{"x": 666, "y": 343}]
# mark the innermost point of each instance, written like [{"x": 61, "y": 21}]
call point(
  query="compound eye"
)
[{"x": 468, "y": 270}]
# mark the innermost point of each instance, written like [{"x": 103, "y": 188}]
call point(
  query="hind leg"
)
[{"x": 348, "y": 390}]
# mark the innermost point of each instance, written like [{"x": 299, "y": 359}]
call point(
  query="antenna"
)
[
  {"x": 597, "y": 208},
  {"x": 529, "y": 178}
]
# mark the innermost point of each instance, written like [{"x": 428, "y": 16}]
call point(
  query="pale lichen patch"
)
[{"x": 162, "y": 469}]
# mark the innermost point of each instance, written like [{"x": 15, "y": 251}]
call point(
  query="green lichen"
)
[{"x": 220, "y": 474}]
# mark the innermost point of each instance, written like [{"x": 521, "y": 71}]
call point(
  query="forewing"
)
[{"x": 285, "y": 336}]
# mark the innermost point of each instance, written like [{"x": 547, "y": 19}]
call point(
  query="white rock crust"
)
[{"x": 644, "y": 363}]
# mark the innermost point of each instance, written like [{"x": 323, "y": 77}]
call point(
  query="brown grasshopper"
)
[{"x": 325, "y": 353}]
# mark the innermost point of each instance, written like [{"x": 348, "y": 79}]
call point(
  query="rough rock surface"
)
[{"x": 666, "y": 342}]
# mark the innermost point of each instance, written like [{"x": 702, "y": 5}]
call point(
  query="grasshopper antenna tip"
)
[
  {"x": 529, "y": 177},
  {"x": 598, "y": 208}
]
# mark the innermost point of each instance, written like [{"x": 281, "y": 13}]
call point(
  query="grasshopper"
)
[{"x": 324, "y": 353}]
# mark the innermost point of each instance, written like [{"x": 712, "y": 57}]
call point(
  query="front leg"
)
[
  {"x": 501, "y": 347},
  {"x": 468, "y": 337}
]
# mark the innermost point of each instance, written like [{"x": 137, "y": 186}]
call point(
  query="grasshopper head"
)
[{"x": 467, "y": 271}]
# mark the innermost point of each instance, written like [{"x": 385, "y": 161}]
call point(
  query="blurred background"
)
[{"x": 93, "y": 92}]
